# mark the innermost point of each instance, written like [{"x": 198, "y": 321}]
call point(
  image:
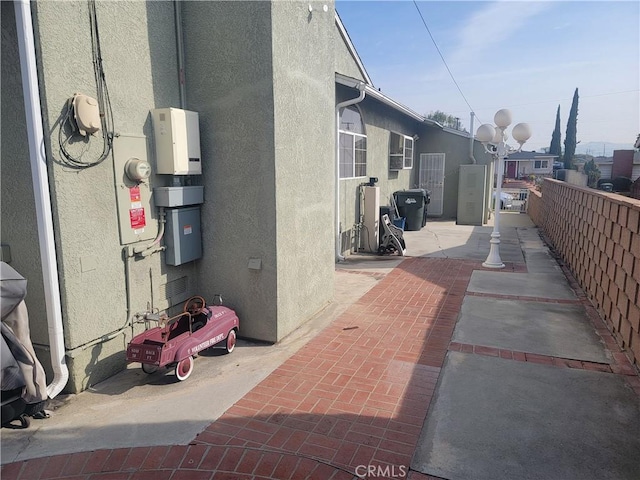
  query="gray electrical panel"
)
[
  {"x": 471, "y": 194},
  {"x": 183, "y": 237}
]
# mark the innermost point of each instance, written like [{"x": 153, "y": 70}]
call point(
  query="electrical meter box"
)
[
  {"x": 177, "y": 141},
  {"x": 182, "y": 237}
]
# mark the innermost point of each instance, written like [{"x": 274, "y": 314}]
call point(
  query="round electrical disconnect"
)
[{"x": 137, "y": 170}]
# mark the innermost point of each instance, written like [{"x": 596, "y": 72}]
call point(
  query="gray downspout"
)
[
  {"x": 471, "y": 157},
  {"x": 346, "y": 103},
  {"x": 180, "y": 51},
  {"x": 39, "y": 176}
]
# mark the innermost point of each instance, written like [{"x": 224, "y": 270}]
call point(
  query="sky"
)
[{"x": 528, "y": 57}]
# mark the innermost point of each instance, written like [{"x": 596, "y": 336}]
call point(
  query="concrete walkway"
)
[{"x": 424, "y": 367}]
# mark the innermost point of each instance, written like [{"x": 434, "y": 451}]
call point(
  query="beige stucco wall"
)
[
  {"x": 139, "y": 57},
  {"x": 230, "y": 82},
  {"x": 254, "y": 72},
  {"x": 344, "y": 61},
  {"x": 266, "y": 103},
  {"x": 304, "y": 96},
  {"x": 268, "y": 184}
]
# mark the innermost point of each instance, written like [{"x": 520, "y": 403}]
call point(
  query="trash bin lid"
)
[{"x": 413, "y": 193}]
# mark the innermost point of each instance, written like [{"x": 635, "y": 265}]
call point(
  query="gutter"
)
[
  {"x": 381, "y": 97},
  {"x": 361, "y": 87},
  {"x": 39, "y": 176}
]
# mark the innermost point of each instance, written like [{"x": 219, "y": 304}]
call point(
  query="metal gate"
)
[
  {"x": 520, "y": 199},
  {"x": 432, "y": 179}
]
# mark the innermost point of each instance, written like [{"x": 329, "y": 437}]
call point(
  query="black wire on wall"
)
[{"x": 104, "y": 104}]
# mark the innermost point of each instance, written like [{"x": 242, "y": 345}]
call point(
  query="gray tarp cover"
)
[
  {"x": 13, "y": 289},
  {"x": 15, "y": 331}
]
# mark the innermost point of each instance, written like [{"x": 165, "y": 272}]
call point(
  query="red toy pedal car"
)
[{"x": 177, "y": 339}]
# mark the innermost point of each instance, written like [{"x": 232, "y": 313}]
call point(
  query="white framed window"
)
[
  {"x": 400, "y": 152},
  {"x": 540, "y": 164},
  {"x": 353, "y": 144}
]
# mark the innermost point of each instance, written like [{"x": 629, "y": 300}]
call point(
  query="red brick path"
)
[{"x": 356, "y": 395}]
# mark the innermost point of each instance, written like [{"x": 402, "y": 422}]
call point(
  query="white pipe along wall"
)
[
  {"x": 41, "y": 193},
  {"x": 346, "y": 103}
]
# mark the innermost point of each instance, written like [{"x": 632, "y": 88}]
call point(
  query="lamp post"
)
[{"x": 494, "y": 141}]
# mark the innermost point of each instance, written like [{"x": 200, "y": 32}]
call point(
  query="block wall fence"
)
[{"x": 597, "y": 235}]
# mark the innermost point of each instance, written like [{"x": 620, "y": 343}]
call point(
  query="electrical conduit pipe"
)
[
  {"x": 40, "y": 180},
  {"x": 346, "y": 103}
]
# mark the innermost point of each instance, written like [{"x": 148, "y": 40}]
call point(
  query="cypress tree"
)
[
  {"x": 570, "y": 137},
  {"x": 555, "y": 148}
]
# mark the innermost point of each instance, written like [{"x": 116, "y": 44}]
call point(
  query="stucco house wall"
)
[
  {"x": 380, "y": 120},
  {"x": 270, "y": 176},
  {"x": 262, "y": 77},
  {"x": 457, "y": 152},
  {"x": 267, "y": 166},
  {"x": 232, "y": 89},
  {"x": 139, "y": 58}
]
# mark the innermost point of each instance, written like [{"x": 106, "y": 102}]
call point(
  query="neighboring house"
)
[
  {"x": 605, "y": 165},
  {"x": 522, "y": 164},
  {"x": 265, "y": 79},
  {"x": 626, "y": 163}
]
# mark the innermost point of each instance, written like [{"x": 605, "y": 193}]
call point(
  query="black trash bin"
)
[{"x": 412, "y": 204}]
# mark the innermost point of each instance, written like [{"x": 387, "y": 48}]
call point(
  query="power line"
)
[{"x": 442, "y": 57}]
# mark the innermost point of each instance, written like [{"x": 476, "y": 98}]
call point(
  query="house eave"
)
[
  {"x": 382, "y": 98},
  {"x": 352, "y": 49}
]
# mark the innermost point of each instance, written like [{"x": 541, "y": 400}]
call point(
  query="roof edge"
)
[
  {"x": 352, "y": 48},
  {"x": 381, "y": 97}
]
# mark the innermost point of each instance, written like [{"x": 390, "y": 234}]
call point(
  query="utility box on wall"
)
[
  {"x": 177, "y": 140},
  {"x": 471, "y": 194},
  {"x": 372, "y": 218},
  {"x": 183, "y": 237}
]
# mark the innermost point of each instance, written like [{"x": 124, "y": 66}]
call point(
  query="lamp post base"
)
[{"x": 494, "y": 260}]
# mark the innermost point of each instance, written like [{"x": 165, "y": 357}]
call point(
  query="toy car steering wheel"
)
[{"x": 194, "y": 305}]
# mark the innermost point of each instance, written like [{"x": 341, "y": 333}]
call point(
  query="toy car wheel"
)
[
  {"x": 149, "y": 369},
  {"x": 184, "y": 368},
  {"x": 230, "y": 345}
]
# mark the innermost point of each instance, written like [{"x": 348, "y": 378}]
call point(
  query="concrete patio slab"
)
[
  {"x": 535, "y": 285},
  {"x": 445, "y": 239},
  {"x": 554, "y": 329},
  {"x": 494, "y": 419}
]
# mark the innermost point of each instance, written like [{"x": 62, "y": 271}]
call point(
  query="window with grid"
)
[
  {"x": 400, "y": 152},
  {"x": 353, "y": 144},
  {"x": 540, "y": 164}
]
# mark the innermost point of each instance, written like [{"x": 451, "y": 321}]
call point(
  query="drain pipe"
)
[
  {"x": 473, "y": 159},
  {"x": 40, "y": 180},
  {"x": 346, "y": 103},
  {"x": 177, "y": 7}
]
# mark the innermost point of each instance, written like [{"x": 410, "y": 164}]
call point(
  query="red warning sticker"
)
[
  {"x": 134, "y": 193},
  {"x": 137, "y": 219}
]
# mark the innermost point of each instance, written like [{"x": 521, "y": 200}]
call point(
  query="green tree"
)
[
  {"x": 592, "y": 172},
  {"x": 556, "y": 148},
  {"x": 446, "y": 120},
  {"x": 570, "y": 137}
]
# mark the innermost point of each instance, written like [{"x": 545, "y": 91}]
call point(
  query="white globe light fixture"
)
[
  {"x": 521, "y": 133},
  {"x": 502, "y": 118},
  {"x": 485, "y": 133},
  {"x": 493, "y": 139}
]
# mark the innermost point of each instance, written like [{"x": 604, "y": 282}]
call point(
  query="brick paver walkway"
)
[{"x": 353, "y": 399}]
